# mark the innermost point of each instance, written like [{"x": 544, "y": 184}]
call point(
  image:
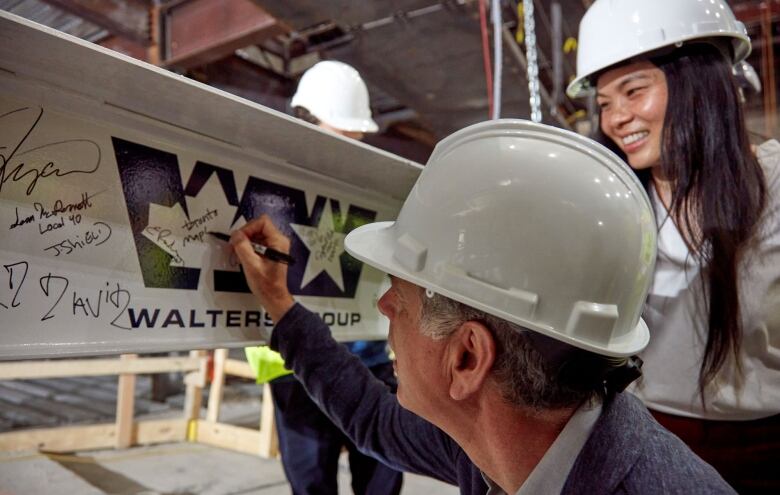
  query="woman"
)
[{"x": 669, "y": 104}]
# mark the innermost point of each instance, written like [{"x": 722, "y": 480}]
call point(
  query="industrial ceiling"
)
[{"x": 422, "y": 59}]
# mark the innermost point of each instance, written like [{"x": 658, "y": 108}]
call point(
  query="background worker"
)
[
  {"x": 519, "y": 264},
  {"x": 333, "y": 96},
  {"x": 669, "y": 104}
]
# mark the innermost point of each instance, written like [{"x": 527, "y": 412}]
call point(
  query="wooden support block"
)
[
  {"x": 230, "y": 437},
  {"x": 217, "y": 385},
  {"x": 125, "y": 403},
  {"x": 269, "y": 441},
  {"x": 193, "y": 397},
  {"x": 235, "y": 367},
  {"x": 91, "y": 437},
  {"x": 160, "y": 431},
  {"x": 21, "y": 370},
  {"x": 87, "y": 437}
]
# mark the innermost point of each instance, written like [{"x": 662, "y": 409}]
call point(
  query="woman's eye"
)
[{"x": 633, "y": 91}]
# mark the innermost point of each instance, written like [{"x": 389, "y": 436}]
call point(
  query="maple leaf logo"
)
[{"x": 185, "y": 238}]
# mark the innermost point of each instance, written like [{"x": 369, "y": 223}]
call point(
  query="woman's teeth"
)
[{"x": 632, "y": 138}]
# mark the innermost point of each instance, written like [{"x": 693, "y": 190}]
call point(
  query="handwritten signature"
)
[
  {"x": 85, "y": 304},
  {"x": 99, "y": 233},
  {"x": 324, "y": 245},
  {"x": 41, "y": 161},
  {"x": 60, "y": 207},
  {"x": 160, "y": 235}
]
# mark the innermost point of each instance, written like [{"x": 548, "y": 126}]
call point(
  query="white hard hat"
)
[
  {"x": 335, "y": 93},
  {"x": 614, "y": 31},
  {"x": 536, "y": 225}
]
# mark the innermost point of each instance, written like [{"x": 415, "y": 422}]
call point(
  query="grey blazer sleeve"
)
[{"x": 362, "y": 406}]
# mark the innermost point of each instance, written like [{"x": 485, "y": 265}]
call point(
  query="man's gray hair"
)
[{"x": 525, "y": 378}]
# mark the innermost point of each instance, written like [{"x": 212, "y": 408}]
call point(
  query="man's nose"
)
[{"x": 383, "y": 304}]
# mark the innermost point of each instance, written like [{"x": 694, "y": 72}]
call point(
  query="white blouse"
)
[{"x": 677, "y": 321}]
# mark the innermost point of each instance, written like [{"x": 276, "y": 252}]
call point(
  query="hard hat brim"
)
[
  {"x": 373, "y": 244},
  {"x": 350, "y": 125},
  {"x": 583, "y": 85}
]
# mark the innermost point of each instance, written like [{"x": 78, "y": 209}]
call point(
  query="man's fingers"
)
[
  {"x": 272, "y": 236},
  {"x": 263, "y": 231},
  {"x": 244, "y": 250},
  {"x": 255, "y": 229}
]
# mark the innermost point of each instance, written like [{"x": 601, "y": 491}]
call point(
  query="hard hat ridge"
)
[{"x": 615, "y": 31}]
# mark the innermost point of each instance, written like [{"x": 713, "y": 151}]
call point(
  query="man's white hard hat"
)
[
  {"x": 614, "y": 31},
  {"x": 534, "y": 224},
  {"x": 335, "y": 93}
]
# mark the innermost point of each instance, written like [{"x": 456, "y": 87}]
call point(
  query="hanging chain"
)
[{"x": 533, "y": 66}]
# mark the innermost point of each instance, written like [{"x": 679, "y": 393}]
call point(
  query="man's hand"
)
[{"x": 267, "y": 279}]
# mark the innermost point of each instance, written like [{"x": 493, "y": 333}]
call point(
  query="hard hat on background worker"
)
[
  {"x": 536, "y": 225},
  {"x": 334, "y": 93},
  {"x": 614, "y": 31}
]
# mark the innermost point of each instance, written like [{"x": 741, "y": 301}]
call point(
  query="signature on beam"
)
[{"x": 52, "y": 159}]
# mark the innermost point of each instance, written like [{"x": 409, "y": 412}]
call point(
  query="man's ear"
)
[{"x": 471, "y": 354}]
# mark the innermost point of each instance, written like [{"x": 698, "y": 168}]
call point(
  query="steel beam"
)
[{"x": 198, "y": 32}]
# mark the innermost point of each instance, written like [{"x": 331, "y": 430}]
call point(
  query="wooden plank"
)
[
  {"x": 269, "y": 440},
  {"x": 193, "y": 397},
  {"x": 235, "y": 367},
  {"x": 90, "y": 437},
  {"x": 160, "y": 431},
  {"x": 217, "y": 385},
  {"x": 237, "y": 438},
  {"x": 95, "y": 367},
  {"x": 60, "y": 439},
  {"x": 125, "y": 403}
]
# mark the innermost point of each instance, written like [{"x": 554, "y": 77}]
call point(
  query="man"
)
[
  {"x": 331, "y": 95},
  {"x": 519, "y": 264}
]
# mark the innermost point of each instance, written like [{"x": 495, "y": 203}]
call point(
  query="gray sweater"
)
[{"x": 627, "y": 451}]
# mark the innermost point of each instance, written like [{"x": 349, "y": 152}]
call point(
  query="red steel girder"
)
[
  {"x": 126, "y": 18},
  {"x": 126, "y": 46},
  {"x": 203, "y": 31},
  {"x": 751, "y": 12}
]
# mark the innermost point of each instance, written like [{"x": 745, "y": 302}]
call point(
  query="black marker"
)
[{"x": 264, "y": 251}]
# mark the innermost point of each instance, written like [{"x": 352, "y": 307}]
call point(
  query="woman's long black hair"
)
[{"x": 718, "y": 186}]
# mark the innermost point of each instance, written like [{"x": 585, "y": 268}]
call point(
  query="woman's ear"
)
[{"x": 471, "y": 354}]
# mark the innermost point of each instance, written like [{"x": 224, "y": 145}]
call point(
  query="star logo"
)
[{"x": 325, "y": 247}]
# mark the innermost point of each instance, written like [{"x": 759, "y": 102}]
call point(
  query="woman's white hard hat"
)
[
  {"x": 534, "y": 224},
  {"x": 614, "y": 31},
  {"x": 335, "y": 93}
]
